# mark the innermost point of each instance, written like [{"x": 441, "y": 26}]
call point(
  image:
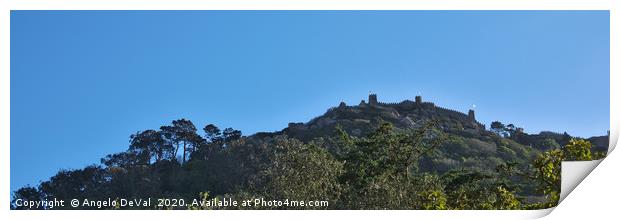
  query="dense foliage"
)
[{"x": 420, "y": 167}]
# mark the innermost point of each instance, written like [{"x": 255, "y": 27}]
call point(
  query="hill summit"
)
[{"x": 363, "y": 118}]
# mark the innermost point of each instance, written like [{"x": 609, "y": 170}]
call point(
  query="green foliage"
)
[
  {"x": 499, "y": 128},
  {"x": 507, "y": 199},
  {"x": 380, "y": 167},
  {"x": 433, "y": 200},
  {"x": 549, "y": 143},
  {"x": 599, "y": 155},
  {"x": 26, "y": 194},
  {"x": 357, "y": 164},
  {"x": 468, "y": 189},
  {"x": 298, "y": 171},
  {"x": 547, "y": 170},
  {"x": 578, "y": 149}
]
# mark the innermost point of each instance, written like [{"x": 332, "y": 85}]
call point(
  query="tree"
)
[
  {"x": 182, "y": 132},
  {"x": 547, "y": 169},
  {"x": 297, "y": 171},
  {"x": 506, "y": 199},
  {"x": 89, "y": 183},
  {"x": 212, "y": 133},
  {"x": 230, "y": 134},
  {"x": 549, "y": 143},
  {"x": 150, "y": 144},
  {"x": 513, "y": 131},
  {"x": 498, "y": 128},
  {"x": 380, "y": 167},
  {"x": 26, "y": 194},
  {"x": 472, "y": 189},
  {"x": 123, "y": 159},
  {"x": 578, "y": 149}
]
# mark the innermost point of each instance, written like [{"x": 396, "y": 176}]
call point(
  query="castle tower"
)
[
  {"x": 471, "y": 115},
  {"x": 418, "y": 100},
  {"x": 372, "y": 99}
]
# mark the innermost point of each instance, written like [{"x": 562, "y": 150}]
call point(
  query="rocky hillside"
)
[{"x": 360, "y": 119}]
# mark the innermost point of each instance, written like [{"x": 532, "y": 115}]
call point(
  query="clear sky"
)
[{"x": 83, "y": 81}]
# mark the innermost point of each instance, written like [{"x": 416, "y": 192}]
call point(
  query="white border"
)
[
  {"x": 7, "y": 5},
  {"x": 311, "y": 5}
]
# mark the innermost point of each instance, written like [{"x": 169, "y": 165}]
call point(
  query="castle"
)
[
  {"x": 404, "y": 113},
  {"x": 373, "y": 102}
]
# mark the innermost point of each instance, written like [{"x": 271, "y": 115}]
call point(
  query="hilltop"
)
[{"x": 359, "y": 120}]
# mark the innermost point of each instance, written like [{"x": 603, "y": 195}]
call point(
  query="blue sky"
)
[{"x": 83, "y": 81}]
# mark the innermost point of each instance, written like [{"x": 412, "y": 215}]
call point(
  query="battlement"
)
[
  {"x": 470, "y": 116},
  {"x": 389, "y": 103},
  {"x": 451, "y": 111},
  {"x": 373, "y": 101},
  {"x": 419, "y": 104}
]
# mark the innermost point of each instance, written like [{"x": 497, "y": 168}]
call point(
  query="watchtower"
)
[
  {"x": 372, "y": 99},
  {"x": 471, "y": 115},
  {"x": 418, "y": 100}
]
